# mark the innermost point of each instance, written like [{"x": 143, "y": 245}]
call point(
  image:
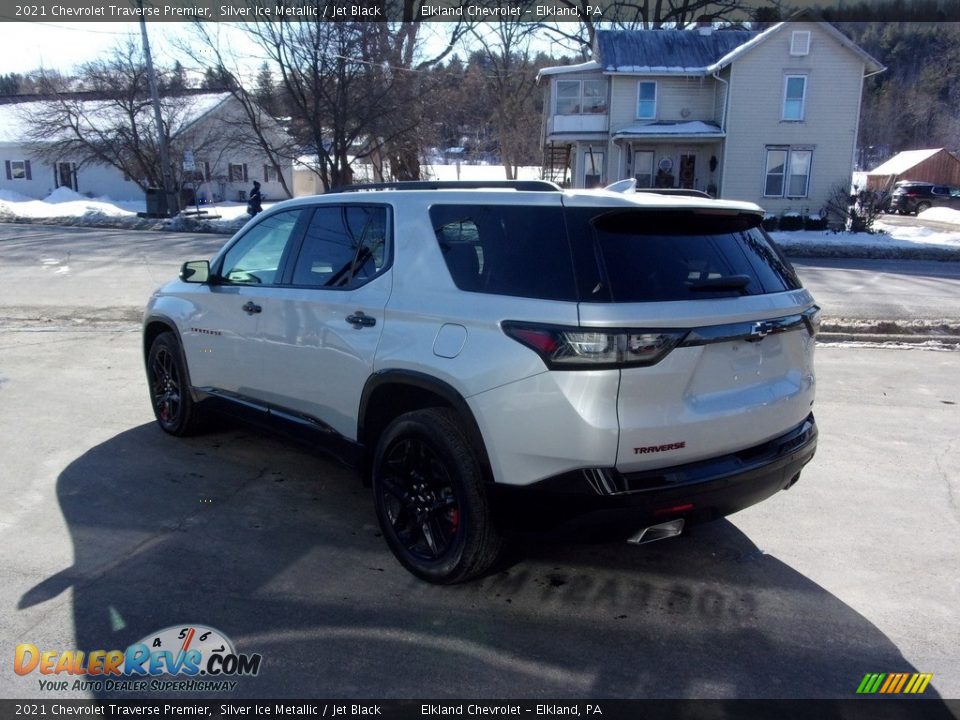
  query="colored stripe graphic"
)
[{"x": 894, "y": 683}]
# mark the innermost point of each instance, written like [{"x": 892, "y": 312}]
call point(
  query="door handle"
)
[
  {"x": 251, "y": 309},
  {"x": 361, "y": 320}
]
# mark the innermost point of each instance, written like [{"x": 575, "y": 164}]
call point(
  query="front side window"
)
[
  {"x": 256, "y": 258},
  {"x": 344, "y": 246},
  {"x": 647, "y": 100},
  {"x": 794, "y": 95},
  {"x": 581, "y": 97},
  {"x": 787, "y": 172}
]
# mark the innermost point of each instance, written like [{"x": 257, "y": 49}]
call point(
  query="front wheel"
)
[
  {"x": 176, "y": 411},
  {"x": 431, "y": 500}
]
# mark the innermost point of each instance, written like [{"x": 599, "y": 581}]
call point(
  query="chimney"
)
[{"x": 704, "y": 26}]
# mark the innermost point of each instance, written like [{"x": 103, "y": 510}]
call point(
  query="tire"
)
[
  {"x": 175, "y": 409},
  {"x": 921, "y": 206},
  {"x": 431, "y": 499}
]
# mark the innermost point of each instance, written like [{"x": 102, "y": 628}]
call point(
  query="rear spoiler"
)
[{"x": 630, "y": 186}]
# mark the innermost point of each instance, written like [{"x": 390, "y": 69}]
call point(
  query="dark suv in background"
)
[{"x": 915, "y": 197}]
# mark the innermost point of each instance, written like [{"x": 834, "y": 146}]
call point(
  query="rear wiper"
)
[{"x": 725, "y": 282}]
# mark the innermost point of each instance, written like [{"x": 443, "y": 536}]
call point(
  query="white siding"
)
[
  {"x": 92, "y": 180},
  {"x": 679, "y": 99},
  {"x": 834, "y": 83}
]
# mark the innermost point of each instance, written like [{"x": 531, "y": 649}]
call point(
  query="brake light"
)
[
  {"x": 567, "y": 348},
  {"x": 811, "y": 318}
]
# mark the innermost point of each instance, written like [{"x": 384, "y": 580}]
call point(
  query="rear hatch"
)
[{"x": 714, "y": 330}]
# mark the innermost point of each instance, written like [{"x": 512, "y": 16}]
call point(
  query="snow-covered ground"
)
[{"x": 68, "y": 207}]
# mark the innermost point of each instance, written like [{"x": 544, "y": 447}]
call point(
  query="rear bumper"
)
[{"x": 698, "y": 492}]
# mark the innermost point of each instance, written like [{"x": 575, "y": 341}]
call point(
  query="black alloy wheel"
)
[
  {"x": 173, "y": 406},
  {"x": 431, "y": 500},
  {"x": 420, "y": 501}
]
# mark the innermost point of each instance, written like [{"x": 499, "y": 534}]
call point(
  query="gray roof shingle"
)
[{"x": 665, "y": 50}]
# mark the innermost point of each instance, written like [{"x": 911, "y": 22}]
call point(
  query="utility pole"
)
[{"x": 166, "y": 170}]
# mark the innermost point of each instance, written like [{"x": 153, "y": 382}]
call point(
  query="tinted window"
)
[
  {"x": 255, "y": 258},
  {"x": 648, "y": 256},
  {"x": 506, "y": 250},
  {"x": 344, "y": 246}
]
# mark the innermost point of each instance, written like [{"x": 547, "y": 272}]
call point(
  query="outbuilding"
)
[{"x": 936, "y": 165}]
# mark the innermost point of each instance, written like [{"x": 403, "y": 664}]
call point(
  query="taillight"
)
[
  {"x": 811, "y": 319},
  {"x": 566, "y": 348}
]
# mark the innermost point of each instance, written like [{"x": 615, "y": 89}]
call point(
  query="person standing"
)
[{"x": 255, "y": 199}]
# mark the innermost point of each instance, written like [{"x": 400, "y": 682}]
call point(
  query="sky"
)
[
  {"x": 64, "y": 45},
  {"x": 59, "y": 46}
]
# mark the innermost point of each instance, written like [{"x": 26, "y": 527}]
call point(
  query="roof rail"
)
[
  {"x": 687, "y": 192},
  {"x": 525, "y": 185}
]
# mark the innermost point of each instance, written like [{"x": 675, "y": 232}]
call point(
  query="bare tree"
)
[
  {"x": 354, "y": 91},
  {"x": 104, "y": 116},
  {"x": 511, "y": 80},
  {"x": 256, "y": 127}
]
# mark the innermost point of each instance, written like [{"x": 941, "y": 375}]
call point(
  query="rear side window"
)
[
  {"x": 654, "y": 256},
  {"x": 506, "y": 250}
]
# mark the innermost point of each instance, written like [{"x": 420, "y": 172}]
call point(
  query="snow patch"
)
[{"x": 941, "y": 214}]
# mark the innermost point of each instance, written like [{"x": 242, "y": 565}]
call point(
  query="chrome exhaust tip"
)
[{"x": 658, "y": 532}]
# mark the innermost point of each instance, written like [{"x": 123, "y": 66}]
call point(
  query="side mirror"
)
[{"x": 195, "y": 271}]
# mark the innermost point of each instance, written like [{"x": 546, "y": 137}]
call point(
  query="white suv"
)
[{"x": 487, "y": 356}]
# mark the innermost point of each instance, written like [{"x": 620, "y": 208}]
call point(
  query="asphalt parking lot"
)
[{"x": 112, "y": 531}]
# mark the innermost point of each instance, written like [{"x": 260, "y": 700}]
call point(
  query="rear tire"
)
[
  {"x": 921, "y": 206},
  {"x": 175, "y": 409},
  {"x": 431, "y": 498}
]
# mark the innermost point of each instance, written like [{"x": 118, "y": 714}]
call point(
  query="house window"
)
[
  {"x": 787, "y": 172},
  {"x": 592, "y": 168},
  {"x": 237, "y": 172},
  {"x": 270, "y": 174},
  {"x": 794, "y": 95},
  {"x": 18, "y": 170},
  {"x": 800, "y": 42},
  {"x": 581, "y": 97},
  {"x": 643, "y": 168},
  {"x": 647, "y": 100}
]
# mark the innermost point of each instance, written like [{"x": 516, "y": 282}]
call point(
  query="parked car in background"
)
[{"x": 915, "y": 197}]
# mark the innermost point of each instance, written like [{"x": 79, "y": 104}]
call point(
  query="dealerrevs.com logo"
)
[{"x": 199, "y": 657}]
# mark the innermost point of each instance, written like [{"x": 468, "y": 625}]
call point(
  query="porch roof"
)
[{"x": 693, "y": 130}]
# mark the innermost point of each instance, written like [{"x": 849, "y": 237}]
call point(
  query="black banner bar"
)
[
  {"x": 422, "y": 10},
  {"x": 872, "y": 709}
]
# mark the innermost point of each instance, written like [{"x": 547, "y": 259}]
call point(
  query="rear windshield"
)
[
  {"x": 608, "y": 255},
  {"x": 650, "y": 256}
]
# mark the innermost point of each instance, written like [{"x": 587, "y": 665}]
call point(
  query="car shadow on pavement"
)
[{"x": 279, "y": 550}]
